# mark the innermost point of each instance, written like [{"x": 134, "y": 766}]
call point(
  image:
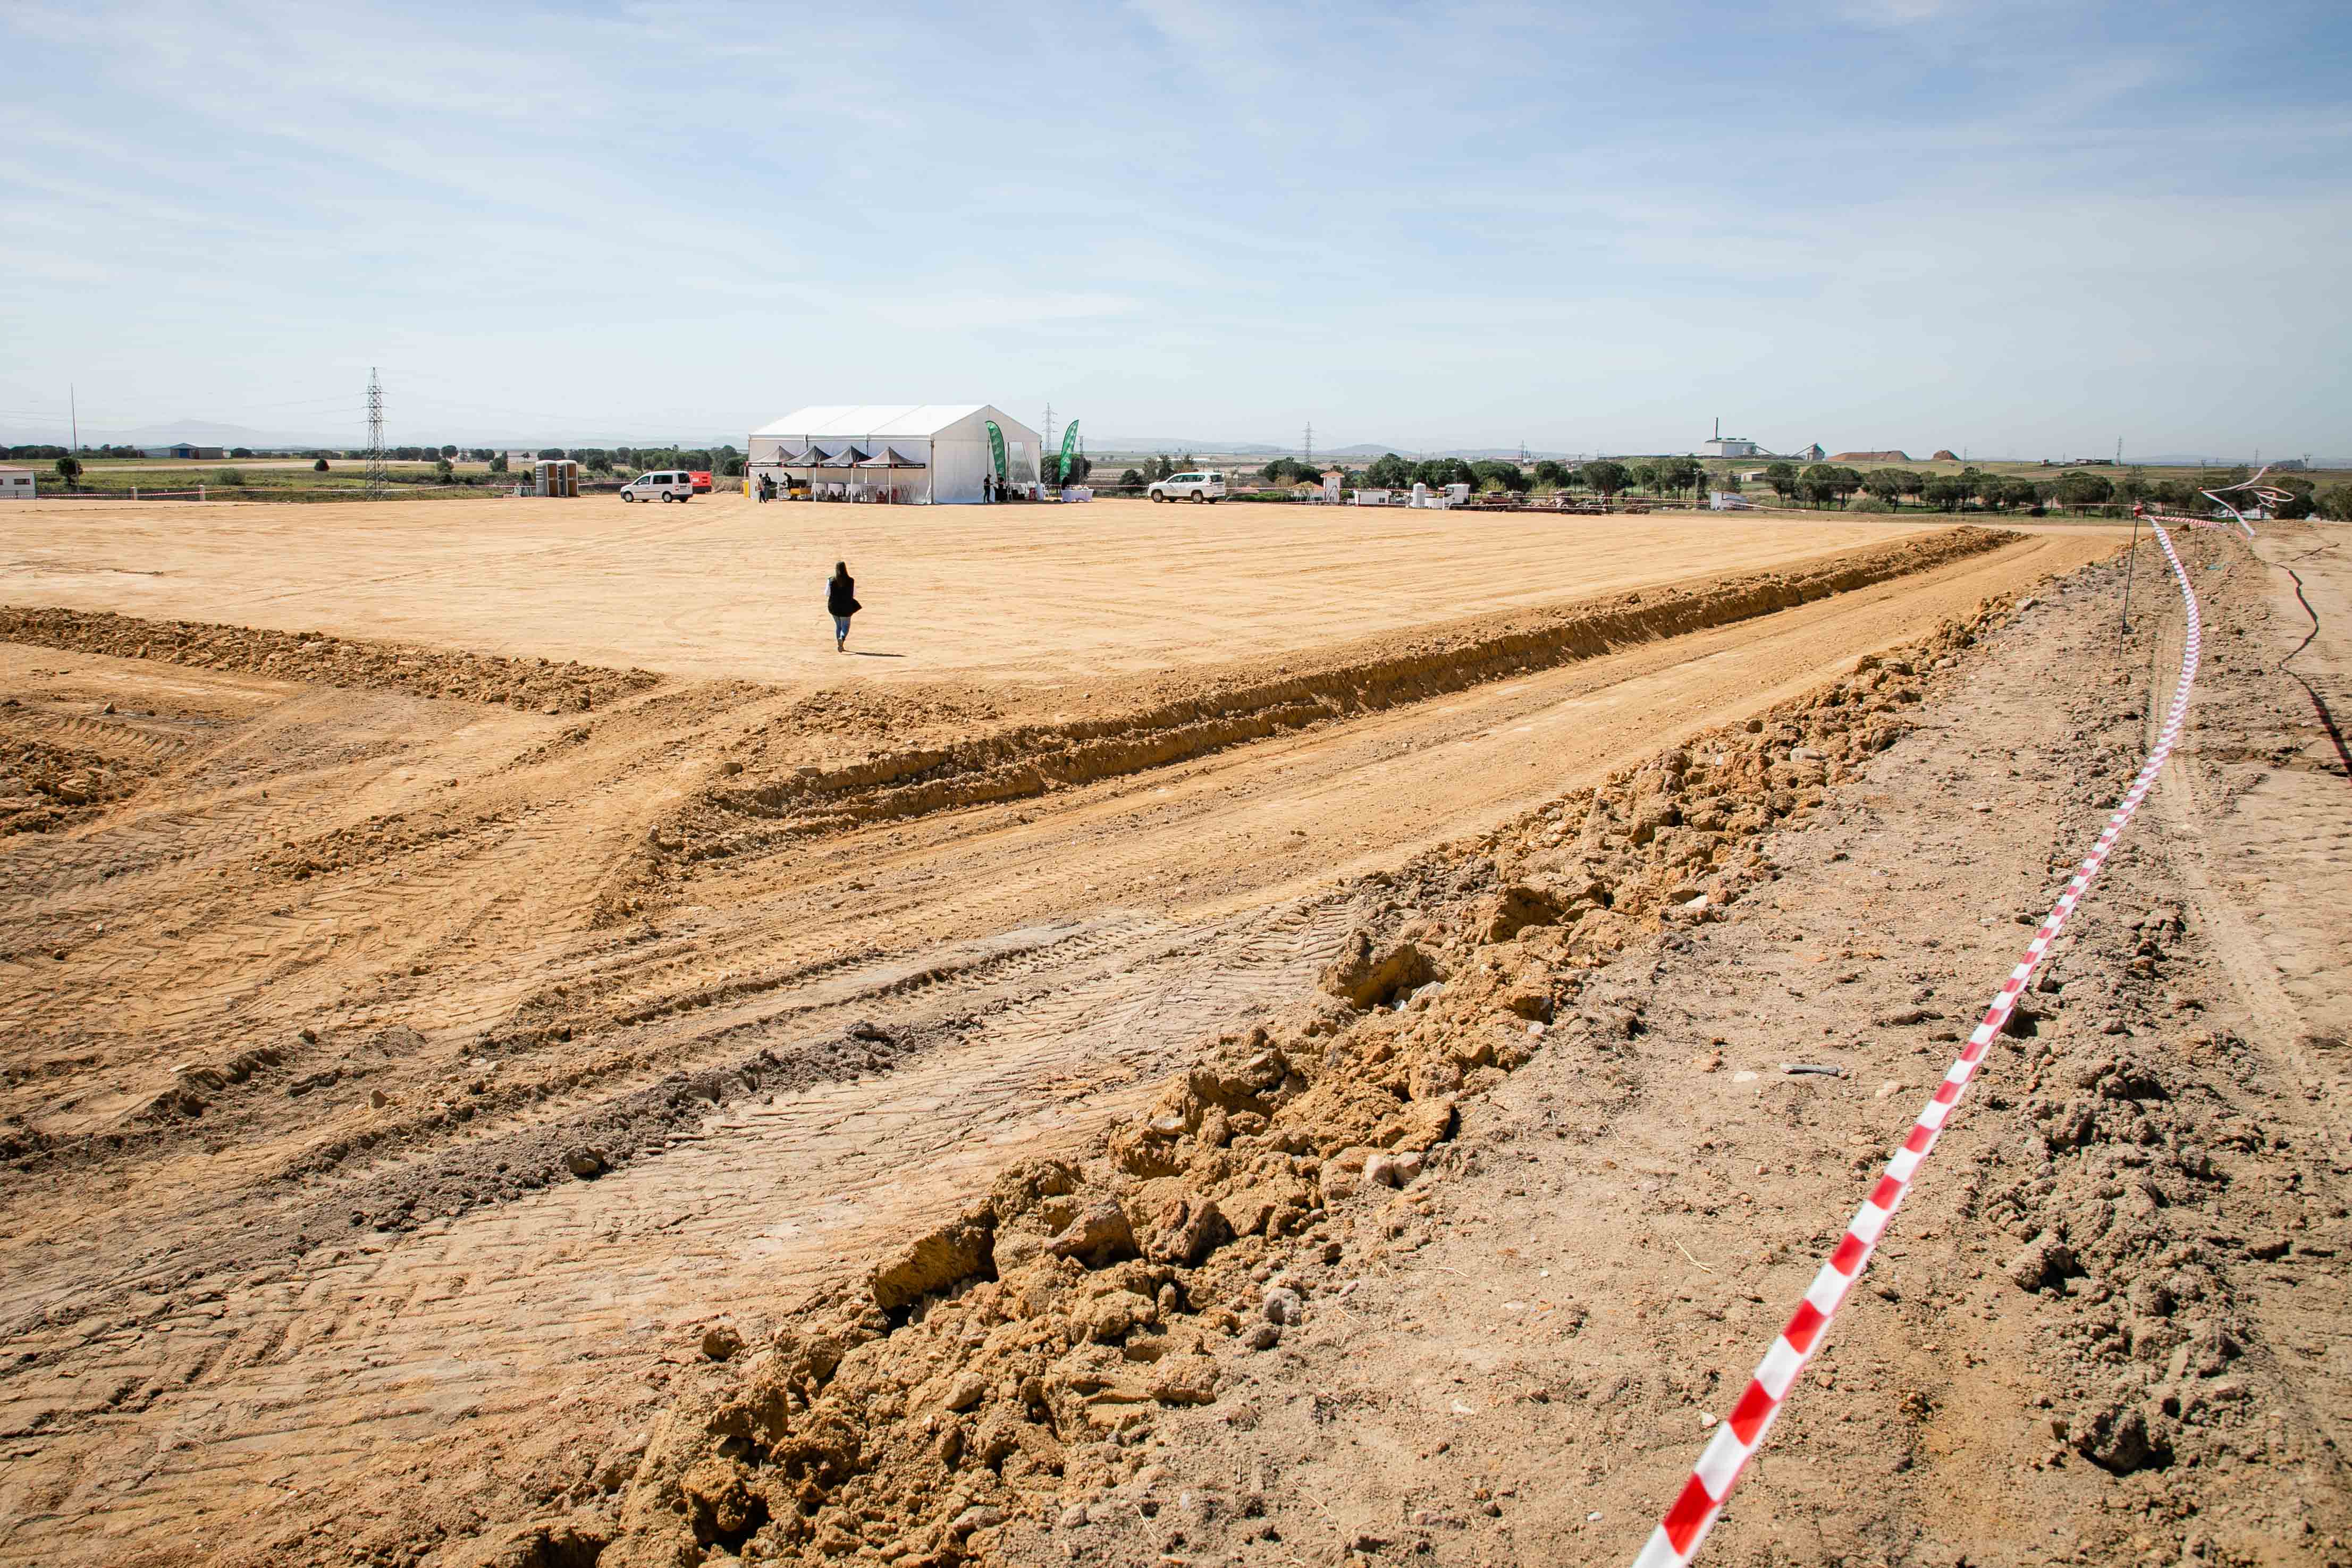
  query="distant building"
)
[
  {"x": 1813, "y": 454},
  {"x": 16, "y": 484},
  {"x": 1945, "y": 455},
  {"x": 185, "y": 451},
  {"x": 1722, "y": 445}
]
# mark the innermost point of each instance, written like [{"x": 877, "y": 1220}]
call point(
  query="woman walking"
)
[{"x": 841, "y": 600}]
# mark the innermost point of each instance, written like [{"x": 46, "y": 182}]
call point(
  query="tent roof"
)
[{"x": 881, "y": 419}]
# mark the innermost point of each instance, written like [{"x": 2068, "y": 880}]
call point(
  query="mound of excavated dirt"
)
[
  {"x": 315, "y": 656},
  {"x": 1005, "y": 1365}
]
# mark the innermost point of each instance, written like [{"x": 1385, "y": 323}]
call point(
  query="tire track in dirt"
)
[{"x": 581, "y": 1285}]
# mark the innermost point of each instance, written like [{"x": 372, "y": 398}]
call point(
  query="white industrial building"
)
[
  {"x": 923, "y": 453},
  {"x": 16, "y": 484},
  {"x": 1722, "y": 445}
]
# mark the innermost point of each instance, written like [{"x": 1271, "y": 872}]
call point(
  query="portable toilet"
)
[{"x": 555, "y": 476}]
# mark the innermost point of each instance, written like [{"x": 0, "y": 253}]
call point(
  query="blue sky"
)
[{"x": 2020, "y": 228}]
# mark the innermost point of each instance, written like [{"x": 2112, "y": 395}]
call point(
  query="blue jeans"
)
[{"x": 841, "y": 628}]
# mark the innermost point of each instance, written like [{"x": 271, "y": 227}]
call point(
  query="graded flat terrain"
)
[
  {"x": 319, "y": 1012},
  {"x": 726, "y": 588}
]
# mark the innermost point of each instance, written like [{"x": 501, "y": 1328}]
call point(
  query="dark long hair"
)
[{"x": 841, "y": 569}]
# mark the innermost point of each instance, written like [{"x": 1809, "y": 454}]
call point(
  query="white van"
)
[
  {"x": 1200, "y": 485},
  {"x": 671, "y": 484}
]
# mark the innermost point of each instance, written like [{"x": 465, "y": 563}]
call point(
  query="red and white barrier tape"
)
[
  {"x": 2269, "y": 495},
  {"x": 1676, "y": 1539}
]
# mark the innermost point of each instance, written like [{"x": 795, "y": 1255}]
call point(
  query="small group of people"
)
[
  {"x": 766, "y": 487},
  {"x": 993, "y": 490}
]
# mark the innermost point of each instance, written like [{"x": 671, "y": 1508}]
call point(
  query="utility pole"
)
[
  {"x": 1050, "y": 449},
  {"x": 1309, "y": 457},
  {"x": 379, "y": 482},
  {"x": 73, "y": 411}
]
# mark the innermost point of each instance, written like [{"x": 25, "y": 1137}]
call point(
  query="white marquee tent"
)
[{"x": 935, "y": 452}]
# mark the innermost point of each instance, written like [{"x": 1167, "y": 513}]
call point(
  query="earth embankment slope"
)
[
  {"x": 1209, "y": 710},
  {"x": 394, "y": 897}
]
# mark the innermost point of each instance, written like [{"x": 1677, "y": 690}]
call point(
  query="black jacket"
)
[{"x": 841, "y": 596}]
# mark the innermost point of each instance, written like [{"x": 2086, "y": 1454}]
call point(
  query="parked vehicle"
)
[
  {"x": 1202, "y": 485},
  {"x": 667, "y": 484}
]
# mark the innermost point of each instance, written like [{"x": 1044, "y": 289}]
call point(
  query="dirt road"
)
[{"x": 315, "y": 1020}]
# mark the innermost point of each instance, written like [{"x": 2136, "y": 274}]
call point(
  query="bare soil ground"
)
[
  {"x": 724, "y": 587},
  {"x": 408, "y": 1094}
]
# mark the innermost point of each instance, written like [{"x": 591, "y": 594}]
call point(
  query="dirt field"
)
[
  {"x": 424, "y": 1060},
  {"x": 725, "y": 588}
]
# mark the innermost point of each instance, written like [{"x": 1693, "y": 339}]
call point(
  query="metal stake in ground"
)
[{"x": 2131, "y": 555}]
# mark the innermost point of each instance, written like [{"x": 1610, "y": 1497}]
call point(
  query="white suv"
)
[
  {"x": 669, "y": 485},
  {"x": 1200, "y": 485}
]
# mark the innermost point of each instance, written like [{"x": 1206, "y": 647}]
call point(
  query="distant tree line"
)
[
  {"x": 1155, "y": 468},
  {"x": 1291, "y": 471},
  {"x": 1834, "y": 484},
  {"x": 723, "y": 459},
  {"x": 42, "y": 453},
  {"x": 1496, "y": 476}
]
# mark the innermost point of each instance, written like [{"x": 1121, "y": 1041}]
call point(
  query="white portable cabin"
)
[
  {"x": 944, "y": 446},
  {"x": 16, "y": 484}
]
